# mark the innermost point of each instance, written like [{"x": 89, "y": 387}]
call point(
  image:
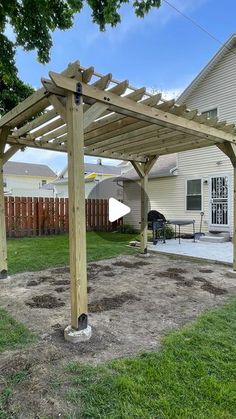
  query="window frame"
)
[
  {"x": 186, "y": 194},
  {"x": 205, "y": 111}
]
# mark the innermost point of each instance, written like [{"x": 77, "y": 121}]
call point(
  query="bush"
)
[
  {"x": 169, "y": 233},
  {"x": 126, "y": 228}
]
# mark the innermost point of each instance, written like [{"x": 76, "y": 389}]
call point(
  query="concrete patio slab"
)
[{"x": 217, "y": 252}]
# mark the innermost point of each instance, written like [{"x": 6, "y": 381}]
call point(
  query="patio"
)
[{"x": 217, "y": 252}]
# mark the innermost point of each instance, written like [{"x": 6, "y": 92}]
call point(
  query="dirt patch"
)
[
  {"x": 45, "y": 301},
  {"x": 109, "y": 274},
  {"x": 177, "y": 270},
  {"x": 130, "y": 311},
  {"x": 61, "y": 289},
  {"x": 200, "y": 279},
  {"x": 61, "y": 282},
  {"x": 212, "y": 289},
  {"x": 95, "y": 269},
  {"x": 126, "y": 264},
  {"x": 206, "y": 271},
  {"x": 184, "y": 283},
  {"x": 111, "y": 303},
  {"x": 40, "y": 280},
  {"x": 61, "y": 270},
  {"x": 171, "y": 275},
  {"x": 32, "y": 283}
]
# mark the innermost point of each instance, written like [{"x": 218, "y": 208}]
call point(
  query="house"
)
[
  {"x": 95, "y": 188},
  {"x": 203, "y": 178},
  {"x": 25, "y": 179}
]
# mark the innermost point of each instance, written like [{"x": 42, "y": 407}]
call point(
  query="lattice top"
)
[{"x": 120, "y": 121}]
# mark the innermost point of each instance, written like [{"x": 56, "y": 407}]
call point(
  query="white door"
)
[{"x": 219, "y": 201}]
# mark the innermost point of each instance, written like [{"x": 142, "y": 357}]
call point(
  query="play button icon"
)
[{"x": 117, "y": 210}]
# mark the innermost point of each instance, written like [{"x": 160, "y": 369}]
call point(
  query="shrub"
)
[
  {"x": 169, "y": 232},
  {"x": 126, "y": 228}
]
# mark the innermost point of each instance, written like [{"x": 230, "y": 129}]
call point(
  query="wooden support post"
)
[
  {"x": 143, "y": 170},
  {"x": 230, "y": 151},
  {"x": 77, "y": 224},
  {"x": 144, "y": 212},
  {"x": 3, "y": 241},
  {"x": 234, "y": 221}
]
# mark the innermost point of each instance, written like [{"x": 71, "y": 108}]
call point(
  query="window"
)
[
  {"x": 194, "y": 195},
  {"x": 44, "y": 182},
  {"x": 212, "y": 113}
]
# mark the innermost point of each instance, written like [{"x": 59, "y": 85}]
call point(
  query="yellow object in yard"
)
[{"x": 90, "y": 176}]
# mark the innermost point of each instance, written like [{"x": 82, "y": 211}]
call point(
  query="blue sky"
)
[{"x": 163, "y": 51}]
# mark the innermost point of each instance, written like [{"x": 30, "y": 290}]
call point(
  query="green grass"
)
[
  {"x": 12, "y": 333},
  {"x": 36, "y": 253},
  {"x": 194, "y": 376},
  {"x": 7, "y": 390}
]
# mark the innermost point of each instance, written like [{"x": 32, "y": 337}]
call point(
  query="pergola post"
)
[
  {"x": 143, "y": 170},
  {"x": 3, "y": 240},
  {"x": 234, "y": 212},
  {"x": 144, "y": 212},
  {"x": 230, "y": 150},
  {"x": 79, "y": 329}
]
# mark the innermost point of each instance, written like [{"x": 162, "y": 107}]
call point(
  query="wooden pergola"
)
[{"x": 82, "y": 113}]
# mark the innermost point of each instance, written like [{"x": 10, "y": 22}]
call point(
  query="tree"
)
[{"x": 33, "y": 21}]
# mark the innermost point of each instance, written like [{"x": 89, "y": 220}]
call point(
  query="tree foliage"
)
[{"x": 33, "y": 22}]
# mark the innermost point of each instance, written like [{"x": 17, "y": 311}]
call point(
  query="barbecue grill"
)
[{"x": 156, "y": 223}]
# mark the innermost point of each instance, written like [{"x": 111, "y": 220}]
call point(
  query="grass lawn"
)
[
  {"x": 36, "y": 253},
  {"x": 194, "y": 376},
  {"x": 12, "y": 333}
]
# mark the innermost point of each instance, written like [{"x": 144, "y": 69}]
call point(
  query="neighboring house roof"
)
[
  {"x": 165, "y": 166},
  {"x": 123, "y": 163},
  {"x": 205, "y": 71},
  {"x": 100, "y": 169},
  {"x": 27, "y": 169}
]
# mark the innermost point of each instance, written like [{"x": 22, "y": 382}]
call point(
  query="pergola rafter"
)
[{"x": 82, "y": 112}]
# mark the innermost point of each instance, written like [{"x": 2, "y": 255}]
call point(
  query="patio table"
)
[{"x": 180, "y": 223}]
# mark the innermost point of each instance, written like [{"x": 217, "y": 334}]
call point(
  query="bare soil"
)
[{"x": 133, "y": 302}]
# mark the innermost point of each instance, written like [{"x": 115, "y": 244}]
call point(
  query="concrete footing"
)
[
  {"x": 144, "y": 255},
  {"x": 77, "y": 336},
  {"x": 231, "y": 273}
]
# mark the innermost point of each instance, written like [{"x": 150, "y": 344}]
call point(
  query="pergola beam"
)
[
  {"x": 10, "y": 152},
  {"x": 137, "y": 110},
  {"x": 35, "y": 103}
]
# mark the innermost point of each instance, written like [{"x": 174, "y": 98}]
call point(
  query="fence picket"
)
[{"x": 27, "y": 216}]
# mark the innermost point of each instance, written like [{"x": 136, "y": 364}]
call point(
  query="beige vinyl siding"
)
[
  {"x": 168, "y": 194},
  {"x": 204, "y": 163},
  {"x": 160, "y": 192},
  {"x": 218, "y": 89}
]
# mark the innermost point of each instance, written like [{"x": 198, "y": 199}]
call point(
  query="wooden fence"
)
[{"x": 44, "y": 216}]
